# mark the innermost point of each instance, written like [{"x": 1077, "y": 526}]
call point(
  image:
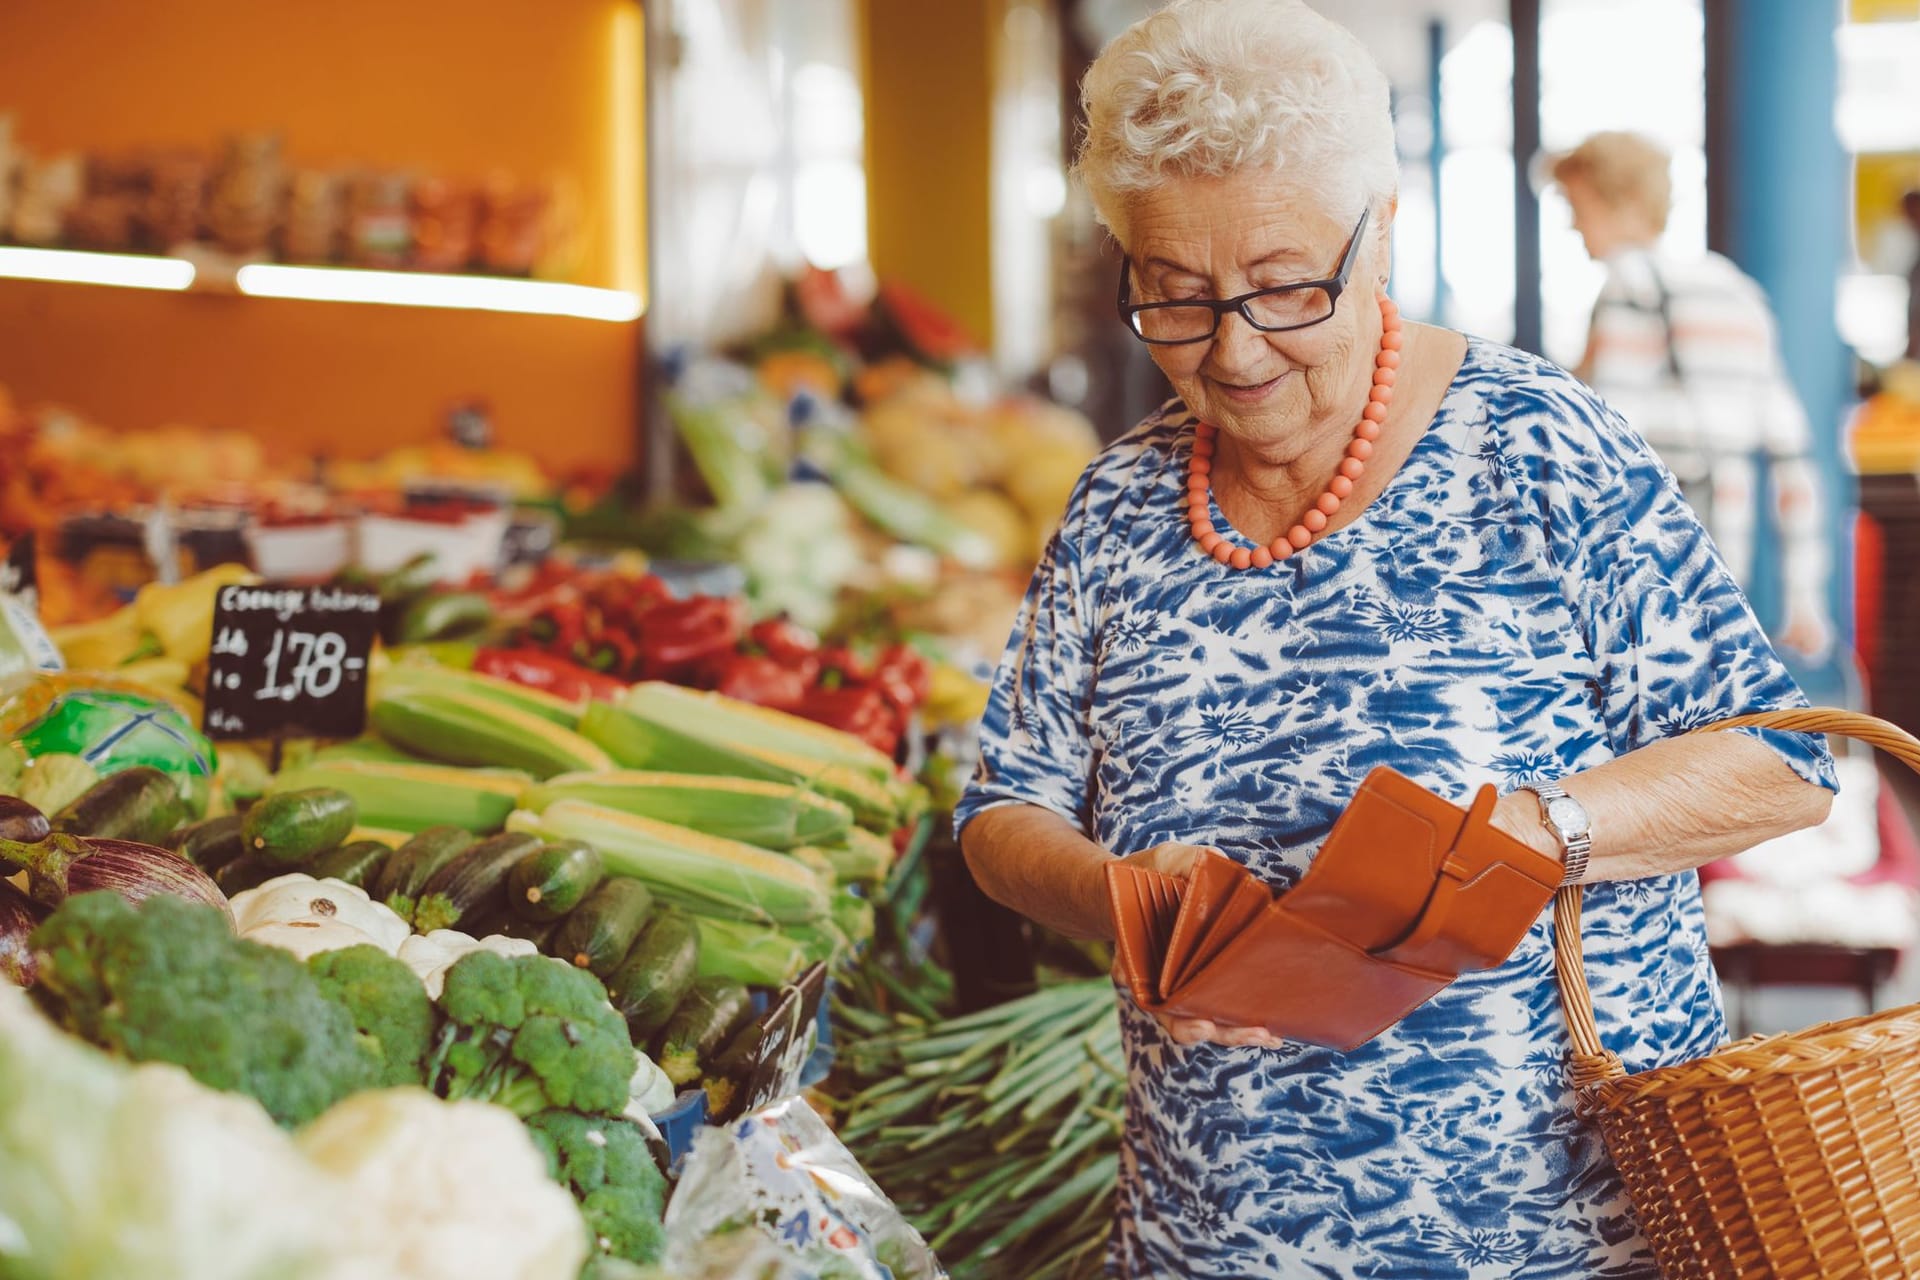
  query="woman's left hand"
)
[{"x": 1191, "y": 1031}]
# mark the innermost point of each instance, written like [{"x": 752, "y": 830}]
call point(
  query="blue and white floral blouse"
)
[{"x": 1528, "y": 598}]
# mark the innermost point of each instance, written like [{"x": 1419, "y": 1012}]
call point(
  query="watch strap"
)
[{"x": 1576, "y": 849}]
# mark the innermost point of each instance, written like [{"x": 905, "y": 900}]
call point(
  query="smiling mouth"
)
[{"x": 1251, "y": 389}]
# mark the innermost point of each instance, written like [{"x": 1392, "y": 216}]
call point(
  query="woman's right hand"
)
[{"x": 1177, "y": 860}]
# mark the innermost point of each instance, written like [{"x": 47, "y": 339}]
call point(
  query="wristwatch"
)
[{"x": 1567, "y": 818}]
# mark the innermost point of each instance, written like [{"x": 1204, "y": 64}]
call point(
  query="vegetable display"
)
[
  {"x": 997, "y": 1133},
  {"x": 167, "y": 981}
]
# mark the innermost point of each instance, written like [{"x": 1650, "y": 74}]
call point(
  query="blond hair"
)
[
  {"x": 1626, "y": 170},
  {"x": 1207, "y": 88}
]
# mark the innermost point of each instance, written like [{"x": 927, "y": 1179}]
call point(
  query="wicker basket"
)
[{"x": 1793, "y": 1157}]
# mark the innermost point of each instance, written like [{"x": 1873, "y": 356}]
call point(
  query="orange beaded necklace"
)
[{"x": 1386, "y": 367}]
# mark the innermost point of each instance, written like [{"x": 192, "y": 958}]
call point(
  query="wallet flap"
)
[
  {"x": 1250, "y": 897},
  {"x": 1372, "y": 878},
  {"x": 1300, "y": 982},
  {"x": 1490, "y": 892},
  {"x": 1144, "y": 904},
  {"x": 1209, "y": 886}
]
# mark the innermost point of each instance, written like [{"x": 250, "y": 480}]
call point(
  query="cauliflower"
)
[
  {"x": 431, "y": 954},
  {"x": 446, "y": 1191},
  {"x": 109, "y": 1171},
  {"x": 298, "y": 899}
]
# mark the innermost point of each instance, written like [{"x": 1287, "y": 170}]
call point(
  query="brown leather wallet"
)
[{"x": 1408, "y": 892}]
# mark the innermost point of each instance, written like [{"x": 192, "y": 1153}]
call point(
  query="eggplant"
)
[
  {"x": 22, "y": 822},
  {"x": 18, "y": 916},
  {"x": 63, "y": 865}
]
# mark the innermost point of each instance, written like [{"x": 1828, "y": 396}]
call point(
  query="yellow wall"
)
[
  {"x": 455, "y": 87},
  {"x": 929, "y": 127}
]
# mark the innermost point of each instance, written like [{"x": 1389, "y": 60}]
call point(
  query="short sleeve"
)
[
  {"x": 1674, "y": 642},
  {"x": 1035, "y": 743}
]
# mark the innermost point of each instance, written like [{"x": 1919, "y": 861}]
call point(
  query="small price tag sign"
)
[
  {"x": 773, "y": 1071},
  {"x": 289, "y": 662}
]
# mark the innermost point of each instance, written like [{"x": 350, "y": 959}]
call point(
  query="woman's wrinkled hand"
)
[{"x": 1177, "y": 860}]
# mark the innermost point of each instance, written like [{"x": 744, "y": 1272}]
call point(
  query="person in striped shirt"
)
[{"x": 1686, "y": 349}]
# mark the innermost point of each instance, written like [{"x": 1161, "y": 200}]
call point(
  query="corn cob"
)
[
  {"x": 564, "y": 712},
  {"x": 464, "y": 728},
  {"x": 682, "y": 744},
  {"x": 704, "y": 874},
  {"x": 413, "y": 797},
  {"x": 718, "y": 718},
  {"x": 771, "y": 815},
  {"x": 751, "y": 953},
  {"x": 860, "y": 857}
]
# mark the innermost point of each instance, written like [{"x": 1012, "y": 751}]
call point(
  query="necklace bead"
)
[{"x": 1339, "y": 488}]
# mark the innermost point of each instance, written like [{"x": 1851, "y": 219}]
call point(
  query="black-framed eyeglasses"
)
[{"x": 1275, "y": 310}]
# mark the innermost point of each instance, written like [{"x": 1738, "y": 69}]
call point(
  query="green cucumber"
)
[
  {"x": 140, "y": 804},
  {"x": 211, "y": 844},
  {"x": 293, "y": 826},
  {"x": 705, "y": 1019},
  {"x": 553, "y": 880},
  {"x": 245, "y": 872},
  {"x": 498, "y": 919},
  {"x": 408, "y": 868},
  {"x": 598, "y": 933},
  {"x": 656, "y": 973},
  {"x": 354, "y": 863},
  {"x": 459, "y": 891}
]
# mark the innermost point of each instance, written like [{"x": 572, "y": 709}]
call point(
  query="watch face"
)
[{"x": 1566, "y": 815}]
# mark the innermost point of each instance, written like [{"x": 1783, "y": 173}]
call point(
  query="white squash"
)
[{"x": 298, "y": 897}]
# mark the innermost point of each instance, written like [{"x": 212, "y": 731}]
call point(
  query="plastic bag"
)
[{"x": 781, "y": 1177}]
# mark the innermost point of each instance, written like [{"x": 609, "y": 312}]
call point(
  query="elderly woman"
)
[{"x": 1352, "y": 541}]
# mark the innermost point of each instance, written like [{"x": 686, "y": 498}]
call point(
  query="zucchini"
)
[
  {"x": 656, "y": 973},
  {"x": 245, "y": 872},
  {"x": 355, "y": 862},
  {"x": 409, "y": 867},
  {"x": 212, "y": 844},
  {"x": 498, "y": 919},
  {"x": 707, "y": 1017},
  {"x": 292, "y": 826},
  {"x": 140, "y": 804},
  {"x": 598, "y": 933},
  {"x": 553, "y": 880},
  {"x": 477, "y": 879}
]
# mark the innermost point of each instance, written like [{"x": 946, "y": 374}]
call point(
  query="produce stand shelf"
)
[{"x": 216, "y": 275}]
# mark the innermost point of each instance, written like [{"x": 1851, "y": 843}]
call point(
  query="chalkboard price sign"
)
[{"x": 289, "y": 662}]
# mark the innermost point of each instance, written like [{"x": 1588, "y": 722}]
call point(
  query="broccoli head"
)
[
  {"x": 166, "y": 981},
  {"x": 606, "y": 1164},
  {"x": 530, "y": 1033},
  {"x": 389, "y": 1008}
]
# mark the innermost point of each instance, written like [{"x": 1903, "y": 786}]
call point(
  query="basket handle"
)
[{"x": 1590, "y": 1060}]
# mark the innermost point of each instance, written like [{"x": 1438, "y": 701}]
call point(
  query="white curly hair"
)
[{"x": 1206, "y": 88}]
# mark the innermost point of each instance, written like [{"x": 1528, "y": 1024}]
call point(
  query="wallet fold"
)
[{"x": 1408, "y": 892}]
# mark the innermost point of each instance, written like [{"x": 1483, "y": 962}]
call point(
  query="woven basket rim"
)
[{"x": 1821, "y": 1047}]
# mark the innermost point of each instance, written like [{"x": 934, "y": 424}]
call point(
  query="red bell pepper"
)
[
  {"x": 678, "y": 637},
  {"x": 862, "y": 712},
  {"x": 790, "y": 645},
  {"x": 843, "y": 668},
  {"x": 759, "y": 679},
  {"x": 904, "y": 677},
  {"x": 557, "y": 676}
]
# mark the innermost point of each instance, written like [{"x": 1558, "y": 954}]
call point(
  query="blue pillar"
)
[
  {"x": 1777, "y": 205},
  {"x": 1436, "y": 162},
  {"x": 1523, "y": 16}
]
